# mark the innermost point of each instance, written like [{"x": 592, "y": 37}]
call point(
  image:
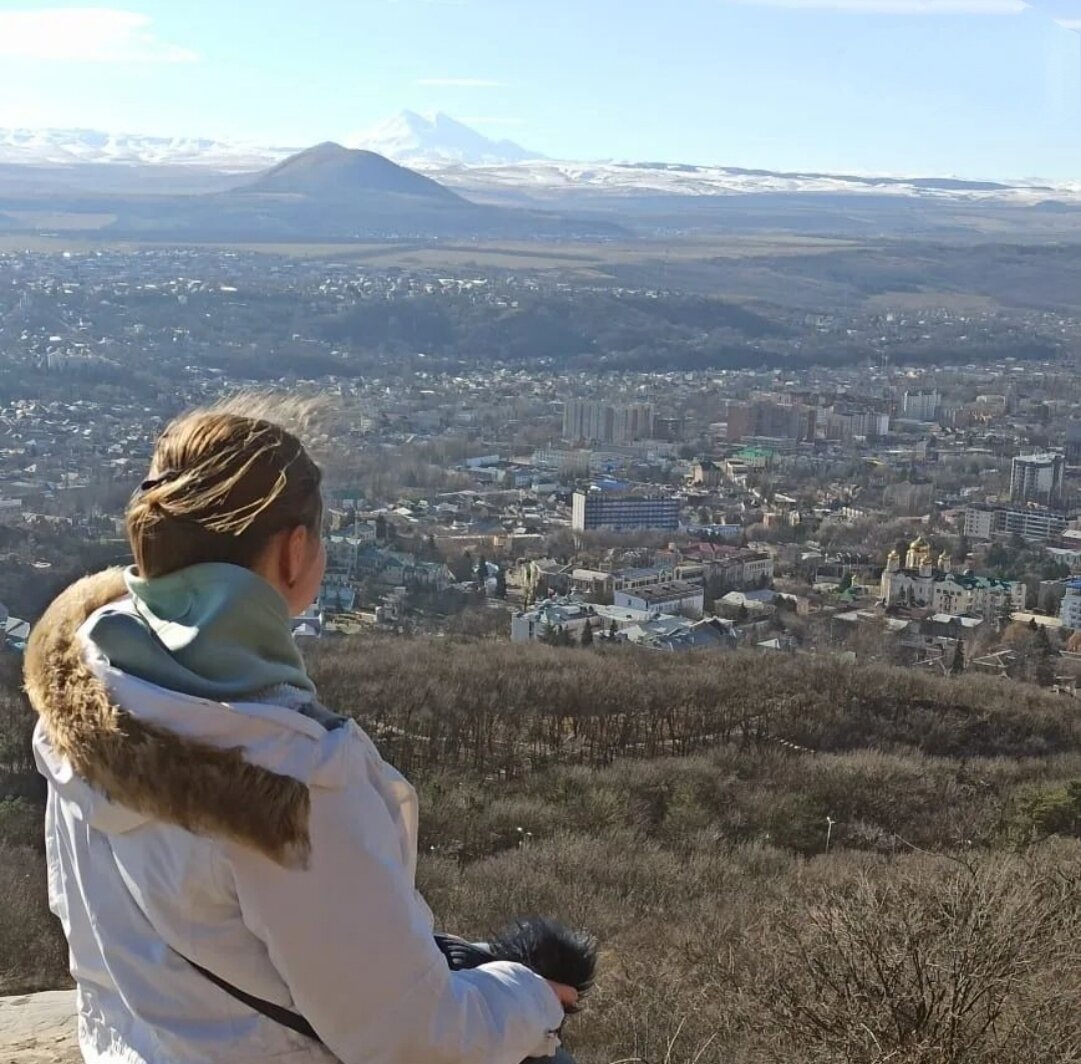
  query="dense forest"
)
[{"x": 784, "y": 859}]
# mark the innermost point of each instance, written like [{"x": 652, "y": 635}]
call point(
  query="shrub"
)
[
  {"x": 33, "y": 954},
  {"x": 951, "y": 965},
  {"x": 22, "y": 824},
  {"x": 1048, "y": 812}
]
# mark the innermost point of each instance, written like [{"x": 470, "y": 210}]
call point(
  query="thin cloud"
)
[
  {"x": 901, "y": 7},
  {"x": 1064, "y": 12},
  {"x": 85, "y": 34},
  {"x": 459, "y": 83}
]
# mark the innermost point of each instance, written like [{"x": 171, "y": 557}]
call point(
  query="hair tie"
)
[{"x": 156, "y": 482}]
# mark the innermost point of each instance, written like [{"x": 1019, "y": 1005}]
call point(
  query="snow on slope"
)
[
  {"x": 553, "y": 179},
  {"x": 470, "y": 163},
  {"x": 71, "y": 147},
  {"x": 414, "y": 139}
]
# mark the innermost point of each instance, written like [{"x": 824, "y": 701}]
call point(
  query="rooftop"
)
[{"x": 674, "y": 589}]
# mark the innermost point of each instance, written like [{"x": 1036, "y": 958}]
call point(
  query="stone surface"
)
[{"x": 39, "y": 1029}]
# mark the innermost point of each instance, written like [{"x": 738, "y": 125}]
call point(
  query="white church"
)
[{"x": 922, "y": 583}]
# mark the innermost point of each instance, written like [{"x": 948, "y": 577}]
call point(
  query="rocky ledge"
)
[{"x": 39, "y": 1029}]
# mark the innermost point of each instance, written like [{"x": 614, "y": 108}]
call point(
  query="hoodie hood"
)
[
  {"x": 122, "y": 769},
  {"x": 213, "y": 630}
]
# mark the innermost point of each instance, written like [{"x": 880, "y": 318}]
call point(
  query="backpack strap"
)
[
  {"x": 459, "y": 953},
  {"x": 279, "y": 1013}
]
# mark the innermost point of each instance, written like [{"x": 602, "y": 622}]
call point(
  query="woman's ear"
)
[{"x": 295, "y": 555}]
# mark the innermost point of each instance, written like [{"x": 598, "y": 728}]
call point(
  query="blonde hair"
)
[{"x": 222, "y": 481}]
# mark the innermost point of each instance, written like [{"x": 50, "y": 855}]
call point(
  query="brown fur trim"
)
[{"x": 202, "y": 788}]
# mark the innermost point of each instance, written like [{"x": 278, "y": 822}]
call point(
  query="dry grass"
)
[
  {"x": 33, "y": 954},
  {"x": 643, "y": 798},
  {"x": 748, "y": 954}
]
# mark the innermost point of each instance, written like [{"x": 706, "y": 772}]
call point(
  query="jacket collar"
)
[{"x": 142, "y": 765}]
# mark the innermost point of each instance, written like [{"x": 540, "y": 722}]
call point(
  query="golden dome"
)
[
  {"x": 894, "y": 554},
  {"x": 919, "y": 543}
]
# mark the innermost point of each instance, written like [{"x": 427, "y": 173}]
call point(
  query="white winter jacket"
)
[{"x": 272, "y": 847}]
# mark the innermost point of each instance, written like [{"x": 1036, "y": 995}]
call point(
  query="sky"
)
[{"x": 979, "y": 88}]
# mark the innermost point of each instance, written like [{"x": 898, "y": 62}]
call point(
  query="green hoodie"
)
[{"x": 214, "y": 630}]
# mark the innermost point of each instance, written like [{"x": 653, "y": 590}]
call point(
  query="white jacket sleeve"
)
[{"x": 353, "y": 942}]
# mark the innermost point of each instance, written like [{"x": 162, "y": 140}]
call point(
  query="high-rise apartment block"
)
[
  {"x": 1032, "y": 523},
  {"x": 1071, "y": 605},
  {"x": 772, "y": 420},
  {"x": 672, "y": 429},
  {"x": 594, "y": 421},
  {"x": 1038, "y": 478},
  {"x": 920, "y": 406},
  {"x": 1073, "y": 443}
]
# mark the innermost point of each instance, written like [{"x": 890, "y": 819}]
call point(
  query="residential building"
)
[
  {"x": 623, "y": 513},
  {"x": 707, "y": 473},
  {"x": 589, "y": 420},
  {"x": 545, "y": 576},
  {"x": 908, "y": 497},
  {"x": 344, "y": 549},
  {"x": 679, "y": 633},
  {"x": 979, "y": 522},
  {"x": 309, "y": 624},
  {"x": 1038, "y": 478},
  {"x": 14, "y": 632},
  {"x": 571, "y": 462},
  {"x": 396, "y": 568},
  {"x": 756, "y": 567},
  {"x": 755, "y": 602},
  {"x": 672, "y": 429},
  {"x": 1032, "y": 523},
  {"x": 585, "y": 419},
  {"x": 1070, "y": 614},
  {"x": 731, "y": 567},
  {"x": 675, "y": 597},
  {"x": 592, "y": 582},
  {"x": 569, "y": 614},
  {"x": 632, "y": 422},
  {"x": 763, "y": 417},
  {"x": 1073, "y": 443},
  {"x": 920, "y": 406},
  {"x": 846, "y": 423},
  {"x": 631, "y": 579}
]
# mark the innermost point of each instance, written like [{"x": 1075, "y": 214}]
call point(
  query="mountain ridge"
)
[
  {"x": 460, "y": 158},
  {"x": 411, "y": 137},
  {"x": 80, "y": 146}
]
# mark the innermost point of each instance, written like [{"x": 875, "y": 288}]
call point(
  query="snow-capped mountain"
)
[
  {"x": 496, "y": 171},
  {"x": 549, "y": 179},
  {"x": 425, "y": 142},
  {"x": 71, "y": 147},
  {"x": 407, "y": 138}
]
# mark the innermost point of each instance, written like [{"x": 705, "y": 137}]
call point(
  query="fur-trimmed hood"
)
[
  {"x": 345, "y": 941},
  {"x": 142, "y": 766}
]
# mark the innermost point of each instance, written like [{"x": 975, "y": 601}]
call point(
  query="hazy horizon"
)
[{"x": 976, "y": 88}]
